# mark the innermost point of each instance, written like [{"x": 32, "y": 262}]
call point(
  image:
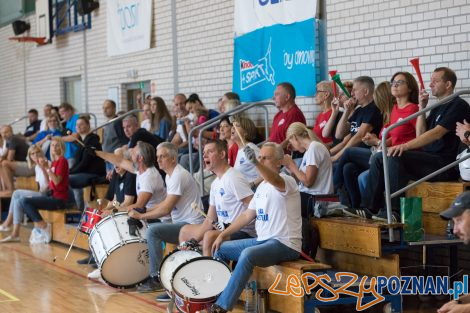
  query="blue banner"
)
[{"x": 275, "y": 54}]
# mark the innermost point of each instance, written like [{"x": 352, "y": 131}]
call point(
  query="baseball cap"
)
[{"x": 460, "y": 204}]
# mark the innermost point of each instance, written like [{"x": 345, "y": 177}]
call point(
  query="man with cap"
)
[{"x": 459, "y": 212}]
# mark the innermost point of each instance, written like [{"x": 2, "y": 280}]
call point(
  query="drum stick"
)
[
  {"x": 75, "y": 236},
  {"x": 233, "y": 121},
  {"x": 196, "y": 207},
  {"x": 76, "y": 140}
]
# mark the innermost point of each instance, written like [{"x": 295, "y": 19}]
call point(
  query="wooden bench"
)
[
  {"x": 99, "y": 193},
  {"x": 63, "y": 232},
  {"x": 266, "y": 276},
  {"x": 28, "y": 183},
  {"x": 437, "y": 197}
]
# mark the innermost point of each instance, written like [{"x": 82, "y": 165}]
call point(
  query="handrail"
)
[
  {"x": 212, "y": 122},
  {"x": 117, "y": 118},
  {"x": 18, "y": 119},
  {"x": 388, "y": 196}
]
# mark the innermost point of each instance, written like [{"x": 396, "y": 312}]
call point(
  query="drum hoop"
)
[
  {"x": 166, "y": 257},
  {"x": 194, "y": 300},
  {"x": 194, "y": 260}
]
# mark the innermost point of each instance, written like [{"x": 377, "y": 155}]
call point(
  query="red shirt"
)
[
  {"x": 407, "y": 131},
  {"x": 282, "y": 121},
  {"x": 320, "y": 123},
  {"x": 232, "y": 154},
  {"x": 60, "y": 167}
]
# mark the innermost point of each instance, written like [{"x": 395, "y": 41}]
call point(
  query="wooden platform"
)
[
  {"x": 265, "y": 277},
  {"x": 62, "y": 232},
  {"x": 352, "y": 235},
  {"x": 437, "y": 197}
]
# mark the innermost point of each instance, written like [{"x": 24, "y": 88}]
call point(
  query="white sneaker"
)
[
  {"x": 4, "y": 228},
  {"x": 10, "y": 239},
  {"x": 96, "y": 274},
  {"x": 46, "y": 233},
  {"x": 36, "y": 236}
]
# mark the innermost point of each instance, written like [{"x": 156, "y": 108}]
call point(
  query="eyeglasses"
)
[
  {"x": 397, "y": 83},
  {"x": 162, "y": 156},
  {"x": 321, "y": 91},
  {"x": 261, "y": 157}
]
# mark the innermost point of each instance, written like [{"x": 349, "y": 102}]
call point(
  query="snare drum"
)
[
  {"x": 91, "y": 217},
  {"x": 197, "y": 283},
  {"x": 122, "y": 258},
  {"x": 171, "y": 262}
]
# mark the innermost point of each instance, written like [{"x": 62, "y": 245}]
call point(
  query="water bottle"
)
[
  {"x": 262, "y": 301},
  {"x": 450, "y": 230},
  {"x": 250, "y": 297}
]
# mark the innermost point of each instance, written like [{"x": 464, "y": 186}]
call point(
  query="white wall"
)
[
  {"x": 365, "y": 37},
  {"x": 378, "y": 38}
]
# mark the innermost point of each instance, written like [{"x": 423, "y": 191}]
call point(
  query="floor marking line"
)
[
  {"x": 84, "y": 276},
  {"x": 9, "y": 296}
]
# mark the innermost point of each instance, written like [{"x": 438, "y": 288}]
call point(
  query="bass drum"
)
[{"x": 122, "y": 258}]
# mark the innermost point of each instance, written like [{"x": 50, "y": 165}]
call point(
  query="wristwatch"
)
[{"x": 466, "y": 134}]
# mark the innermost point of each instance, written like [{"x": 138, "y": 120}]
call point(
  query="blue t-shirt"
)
[{"x": 70, "y": 147}]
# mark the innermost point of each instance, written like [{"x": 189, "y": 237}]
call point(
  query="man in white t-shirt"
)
[
  {"x": 149, "y": 183},
  {"x": 276, "y": 208},
  {"x": 230, "y": 195},
  {"x": 182, "y": 191}
]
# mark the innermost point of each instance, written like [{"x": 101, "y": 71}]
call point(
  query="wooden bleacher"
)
[{"x": 437, "y": 197}]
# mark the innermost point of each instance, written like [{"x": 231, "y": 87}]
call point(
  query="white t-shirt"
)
[
  {"x": 278, "y": 214},
  {"x": 151, "y": 181},
  {"x": 145, "y": 124},
  {"x": 41, "y": 179},
  {"x": 227, "y": 194},
  {"x": 43, "y": 125},
  {"x": 243, "y": 165},
  {"x": 182, "y": 184},
  {"x": 317, "y": 155}
]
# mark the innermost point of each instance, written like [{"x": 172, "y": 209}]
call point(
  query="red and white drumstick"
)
[{"x": 217, "y": 225}]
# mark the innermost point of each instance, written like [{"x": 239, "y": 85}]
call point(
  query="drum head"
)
[
  {"x": 126, "y": 266},
  {"x": 171, "y": 262},
  {"x": 201, "y": 278}
]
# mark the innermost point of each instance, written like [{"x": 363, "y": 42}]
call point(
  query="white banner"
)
[
  {"x": 129, "y": 25},
  {"x": 254, "y": 14}
]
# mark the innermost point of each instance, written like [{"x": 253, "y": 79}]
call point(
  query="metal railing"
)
[
  {"x": 388, "y": 196},
  {"x": 117, "y": 118},
  {"x": 213, "y": 122}
]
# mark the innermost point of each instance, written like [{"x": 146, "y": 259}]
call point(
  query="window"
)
[{"x": 72, "y": 92}]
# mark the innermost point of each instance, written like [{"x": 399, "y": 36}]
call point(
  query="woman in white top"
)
[
  {"x": 247, "y": 130},
  {"x": 15, "y": 214},
  {"x": 314, "y": 175}
]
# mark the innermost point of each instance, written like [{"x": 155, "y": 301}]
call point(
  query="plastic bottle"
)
[
  {"x": 450, "y": 230},
  {"x": 250, "y": 297}
]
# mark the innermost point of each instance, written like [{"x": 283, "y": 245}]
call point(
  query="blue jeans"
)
[
  {"x": 156, "y": 233},
  {"x": 16, "y": 203},
  {"x": 362, "y": 181},
  {"x": 33, "y": 204},
  {"x": 249, "y": 253},
  {"x": 412, "y": 165},
  {"x": 352, "y": 162},
  {"x": 77, "y": 182}
]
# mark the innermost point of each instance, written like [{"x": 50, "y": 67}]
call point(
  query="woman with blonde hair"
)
[
  {"x": 15, "y": 214},
  {"x": 57, "y": 176},
  {"x": 323, "y": 98},
  {"x": 315, "y": 173}
]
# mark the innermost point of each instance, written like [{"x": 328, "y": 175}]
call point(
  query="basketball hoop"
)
[{"x": 39, "y": 40}]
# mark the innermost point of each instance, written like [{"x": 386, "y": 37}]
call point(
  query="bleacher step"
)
[{"x": 352, "y": 235}]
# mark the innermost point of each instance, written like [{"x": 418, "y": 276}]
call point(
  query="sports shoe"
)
[
  {"x": 4, "y": 228},
  {"x": 217, "y": 309},
  {"x": 382, "y": 216},
  {"x": 88, "y": 260},
  {"x": 151, "y": 285},
  {"x": 10, "y": 239},
  {"x": 36, "y": 236},
  {"x": 361, "y": 213},
  {"x": 164, "y": 297},
  {"x": 96, "y": 274},
  {"x": 46, "y": 233}
]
